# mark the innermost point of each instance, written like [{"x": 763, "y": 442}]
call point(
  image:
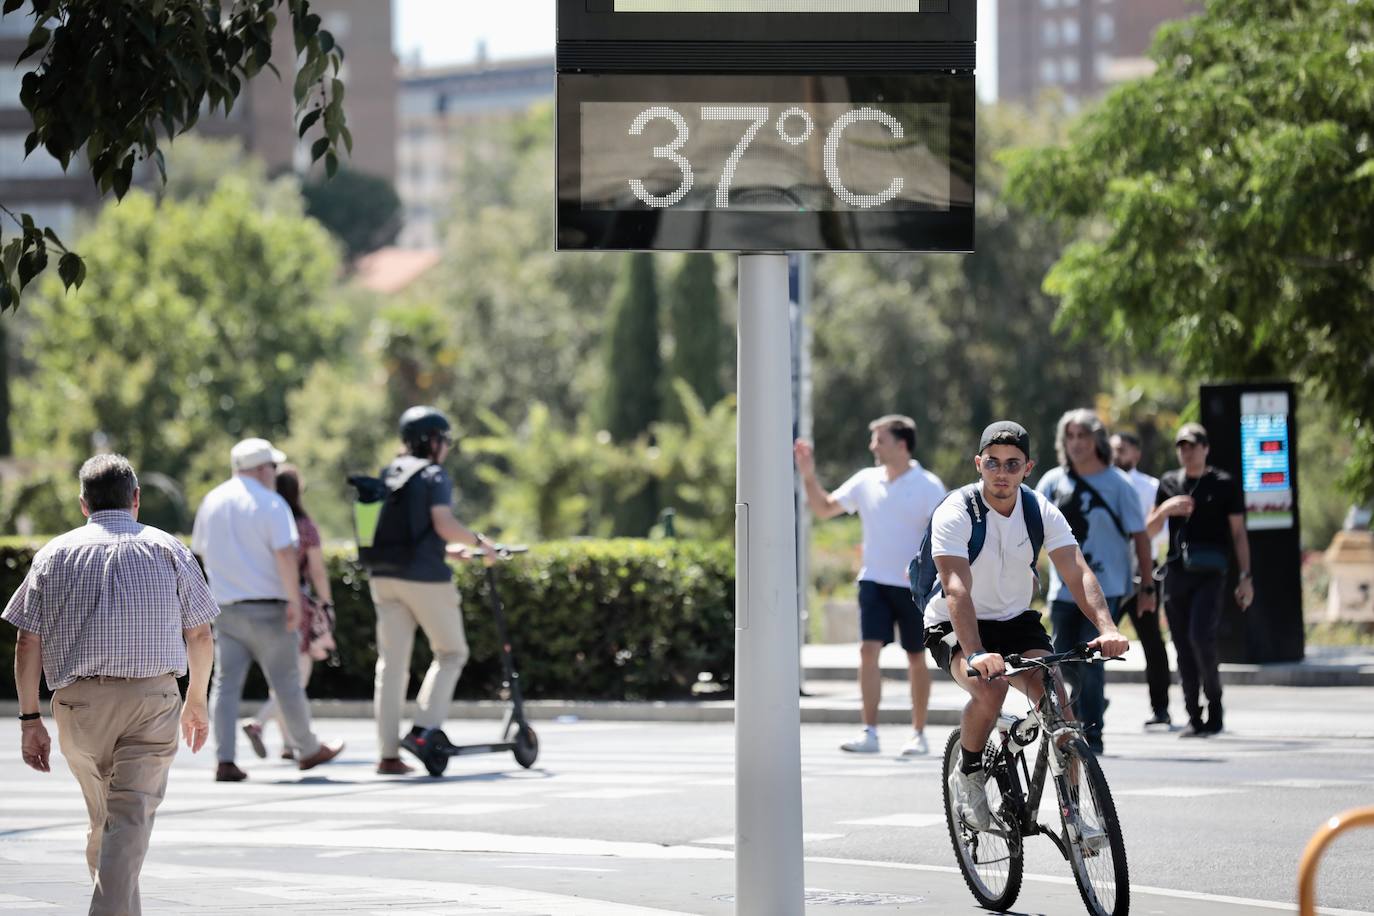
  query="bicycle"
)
[{"x": 1088, "y": 834}]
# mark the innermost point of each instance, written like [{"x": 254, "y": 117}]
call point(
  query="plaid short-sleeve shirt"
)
[{"x": 111, "y": 598}]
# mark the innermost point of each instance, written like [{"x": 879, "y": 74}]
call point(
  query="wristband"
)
[
  {"x": 29, "y": 716},
  {"x": 1245, "y": 575}
]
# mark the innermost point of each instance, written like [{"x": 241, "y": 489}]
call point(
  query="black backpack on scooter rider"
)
[{"x": 385, "y": 517}]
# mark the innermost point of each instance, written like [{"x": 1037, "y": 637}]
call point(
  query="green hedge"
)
[{"x": 613, "y": 619}]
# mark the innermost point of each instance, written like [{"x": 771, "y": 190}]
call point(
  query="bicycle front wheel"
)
[
  {"x": 1092, "y": 833},
  {"x": 989, "y": 860}
]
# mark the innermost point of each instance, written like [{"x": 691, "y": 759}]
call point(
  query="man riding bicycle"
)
[{"x": 984, "y": 540}]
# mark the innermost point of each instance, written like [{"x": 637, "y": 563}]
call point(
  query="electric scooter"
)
[{"x": 432, "y": 747}]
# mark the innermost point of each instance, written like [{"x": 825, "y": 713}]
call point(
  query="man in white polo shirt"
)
[
  {"x": 894, "y": 499},
  {"x": 247, "y": 538}
]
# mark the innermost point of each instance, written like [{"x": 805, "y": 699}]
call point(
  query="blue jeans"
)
[{"x": 1087, "y": 682}]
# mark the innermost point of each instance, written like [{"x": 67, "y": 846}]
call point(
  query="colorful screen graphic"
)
[{"x": 1266, "y": 468}]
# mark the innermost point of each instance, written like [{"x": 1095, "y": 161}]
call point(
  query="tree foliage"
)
[
  {"x": 954, "y": 341},
  {"x": 199, "y": 322},
  {"x": 113, "y": 79},
  {"x": 363, "y": 211},
  {"x": 698, "y": 334},
  {"x": 1227, "y": 203}
]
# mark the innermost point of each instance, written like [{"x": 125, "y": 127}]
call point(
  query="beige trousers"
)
[
  {"x": 401, "y": 606},
  {"x": 119, "y": 736}
]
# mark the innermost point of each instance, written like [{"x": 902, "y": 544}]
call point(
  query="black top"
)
[
  {"x": 432, "y": 487},
  {"x": 1216, "y": 495}
]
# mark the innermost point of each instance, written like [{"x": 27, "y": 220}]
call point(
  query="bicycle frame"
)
[{"x": 1044, "y": 722}]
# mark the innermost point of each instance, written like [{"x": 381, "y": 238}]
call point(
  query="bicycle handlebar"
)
[
  {"x": 1018, "y": 664},
  {"x": 503, "y": 551}
]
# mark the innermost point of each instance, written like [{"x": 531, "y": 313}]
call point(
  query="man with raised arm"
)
[{"x": 984, "y": 540}]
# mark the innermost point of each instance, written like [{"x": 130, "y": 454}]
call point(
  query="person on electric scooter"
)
[{"x": 415, "y": 587}]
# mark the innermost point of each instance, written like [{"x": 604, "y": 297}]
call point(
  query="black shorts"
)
[
  {"x": 1003, "y": 637},
  {"x": 882, "y": 606}
]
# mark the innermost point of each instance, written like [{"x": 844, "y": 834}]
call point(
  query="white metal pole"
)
[{"x": 768, "y": 814}]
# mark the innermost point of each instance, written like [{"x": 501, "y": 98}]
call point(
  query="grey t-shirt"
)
[
  {"x": 1105, "y": 547},
  {"x": 429, "y": 562}
]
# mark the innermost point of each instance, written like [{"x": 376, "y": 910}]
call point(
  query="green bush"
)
[{"x": 602, "y": 619}]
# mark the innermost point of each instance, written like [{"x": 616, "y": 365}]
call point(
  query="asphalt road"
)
[{"x": 637, "y": 818}]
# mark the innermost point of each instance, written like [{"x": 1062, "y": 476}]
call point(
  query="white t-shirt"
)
[
  {"x": 1146, "y": 487},
  {"x": 239, "y": 526},
  {"x": 894, "y": 516},
  {"x": 1003, "y": 581}
]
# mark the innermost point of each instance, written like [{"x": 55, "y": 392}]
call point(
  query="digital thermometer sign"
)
[{"x": 765, "y": 125}]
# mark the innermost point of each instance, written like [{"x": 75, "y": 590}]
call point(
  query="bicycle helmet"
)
[{"x": 420, "y": 425}]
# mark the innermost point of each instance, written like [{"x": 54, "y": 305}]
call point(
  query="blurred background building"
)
[
  {"x": 1079, "y": 47},
  {"x": 446, "y": 111}
]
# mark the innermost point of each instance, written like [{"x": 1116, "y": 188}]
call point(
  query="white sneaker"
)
[
  {"x": 866, "y": 743},
  {"x": 971, "y": 797},
  {"x": 916, "y": 746}
]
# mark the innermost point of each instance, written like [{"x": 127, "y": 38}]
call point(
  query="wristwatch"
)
[
  {"x": 29, "y": 716},
  {"x": 1147, "y": 589},
  {"x": 1245, "y": 574}
]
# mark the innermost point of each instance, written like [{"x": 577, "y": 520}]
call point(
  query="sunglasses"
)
[{"x": 1011, "y": 465}]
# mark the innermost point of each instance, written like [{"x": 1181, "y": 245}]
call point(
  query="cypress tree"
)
[
  {"x": 634, "y": 379},
  {"x": 698, "y": 333},
  {"x": 6, "y": 446}
]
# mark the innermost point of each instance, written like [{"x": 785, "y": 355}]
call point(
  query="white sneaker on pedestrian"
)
[
  {"x": 916, "y": 745},
  {"x": 971, "y": 797},
  {"x": 866, "y": 743}
]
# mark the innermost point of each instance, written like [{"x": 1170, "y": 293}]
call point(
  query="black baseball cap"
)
[
  {"x": 1195, "y": 433},
  {"x": 1005, "y": 432}
]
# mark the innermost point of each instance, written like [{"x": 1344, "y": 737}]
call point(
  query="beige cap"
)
[{"x": 1191, "y": 432}]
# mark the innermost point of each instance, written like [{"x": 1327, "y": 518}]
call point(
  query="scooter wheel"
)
[
  {"x": 436, "y": 761},
  {"x": 526, "y": 747}
]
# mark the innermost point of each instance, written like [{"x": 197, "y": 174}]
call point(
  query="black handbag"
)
[{"x": 1204, "y": 558}]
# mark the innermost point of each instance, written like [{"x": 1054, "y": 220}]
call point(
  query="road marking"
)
[
  {"x": 14, "y": 902},
  {"x": 1056, "y": 879},
  {"x": 615, "y": 794},
  {"x": 900, "y": 820},
  {"x": 609, "y": 871},
  {"x": 1300, "y": 783},
  {"x": 730, "y": 840},
  {"x": 1177, "y": 791}
]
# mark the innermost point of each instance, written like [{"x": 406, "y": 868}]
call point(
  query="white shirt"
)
[
  {"x": 1003, "y": 581},
  {"x": 894, "y": 514},
  {"x": 239, "y": 527},
  {"x": 1146, "y": 487}
]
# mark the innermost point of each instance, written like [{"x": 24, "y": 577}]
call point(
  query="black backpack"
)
[
  {"x": 385, "y": 518},
  {"x": 925, "y": 579}
]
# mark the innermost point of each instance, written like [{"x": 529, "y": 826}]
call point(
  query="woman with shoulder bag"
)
[{"x": 317, "y": 607}]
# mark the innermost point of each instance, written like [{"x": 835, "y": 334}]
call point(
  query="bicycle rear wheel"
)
[
  {"x": 990, "y": 862},
  {"x": 1092, "y": 834}
]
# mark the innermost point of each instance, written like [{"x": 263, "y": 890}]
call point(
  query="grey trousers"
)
[
  {"x": 255, "y": 631},
  {"x": 119, "y": 736}
]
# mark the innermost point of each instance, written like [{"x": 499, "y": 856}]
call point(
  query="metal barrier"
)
[{"x": 1311, "y": 856}]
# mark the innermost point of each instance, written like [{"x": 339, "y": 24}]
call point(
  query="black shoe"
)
[
  {"x": 1213, "y": 725},
  {"x": 1159, "y": 718},
  {"x": 1195, "y": 728}
]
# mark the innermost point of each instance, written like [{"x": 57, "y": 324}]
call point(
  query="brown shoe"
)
[
  {"x": 228, "y": 772},
  {"x": 393, "y": 766},
  {"x": 327, "y": 752}
]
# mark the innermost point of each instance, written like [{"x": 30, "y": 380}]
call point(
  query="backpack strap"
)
[
  {"x": 978, "y": 512},
  {"x": 1035, "y": 522}
]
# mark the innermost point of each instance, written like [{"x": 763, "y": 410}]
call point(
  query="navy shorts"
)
[
  {"x": 882, "y": 606},
  {"x": 1019, "y": 634}
]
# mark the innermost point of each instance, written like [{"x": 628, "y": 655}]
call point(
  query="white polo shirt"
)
[
  {"x": 239, "y": 527},
  {"x": 1146, "y": 487},
  {"x": 894, "y": 515},
  {"x": 1003, "y": 582}
]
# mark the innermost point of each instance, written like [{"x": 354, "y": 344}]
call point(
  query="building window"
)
[
  {"x": 1049, "y": 4},
  {"x": 10, "y": 82},
  {"x": 1106, "y": 28},
  {"x": 1068, "y": 69},
  {"x": 1049, "y": 73},
  {"x": 58, "y": 216},
  {"x": 1103, "y": 65},
  {"x": 338, "y": 24},
  {"x": 1049, "y": 33},
  {"x": 1070, "y": 31}
]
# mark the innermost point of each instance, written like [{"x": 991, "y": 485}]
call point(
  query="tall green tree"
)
[
  {"x": 1227, "y": 204},
  {"x": 632, "y": 400},
  {"x": 6, "y": 443},
  {"x": 363, "y": 211},
  {"x": 111, "y": 80},
  {"x": 199, "y": 323},
  {"x": 698, "y": 335}
]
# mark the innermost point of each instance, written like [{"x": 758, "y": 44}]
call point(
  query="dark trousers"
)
[
  {"x": 1086, "y": 682},
  {"x": 1152, "y": 644},
  {"x": 1193, "y": 602}
]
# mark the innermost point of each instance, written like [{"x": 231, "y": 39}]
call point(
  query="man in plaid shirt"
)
[{"x": 110, "y": 613}]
